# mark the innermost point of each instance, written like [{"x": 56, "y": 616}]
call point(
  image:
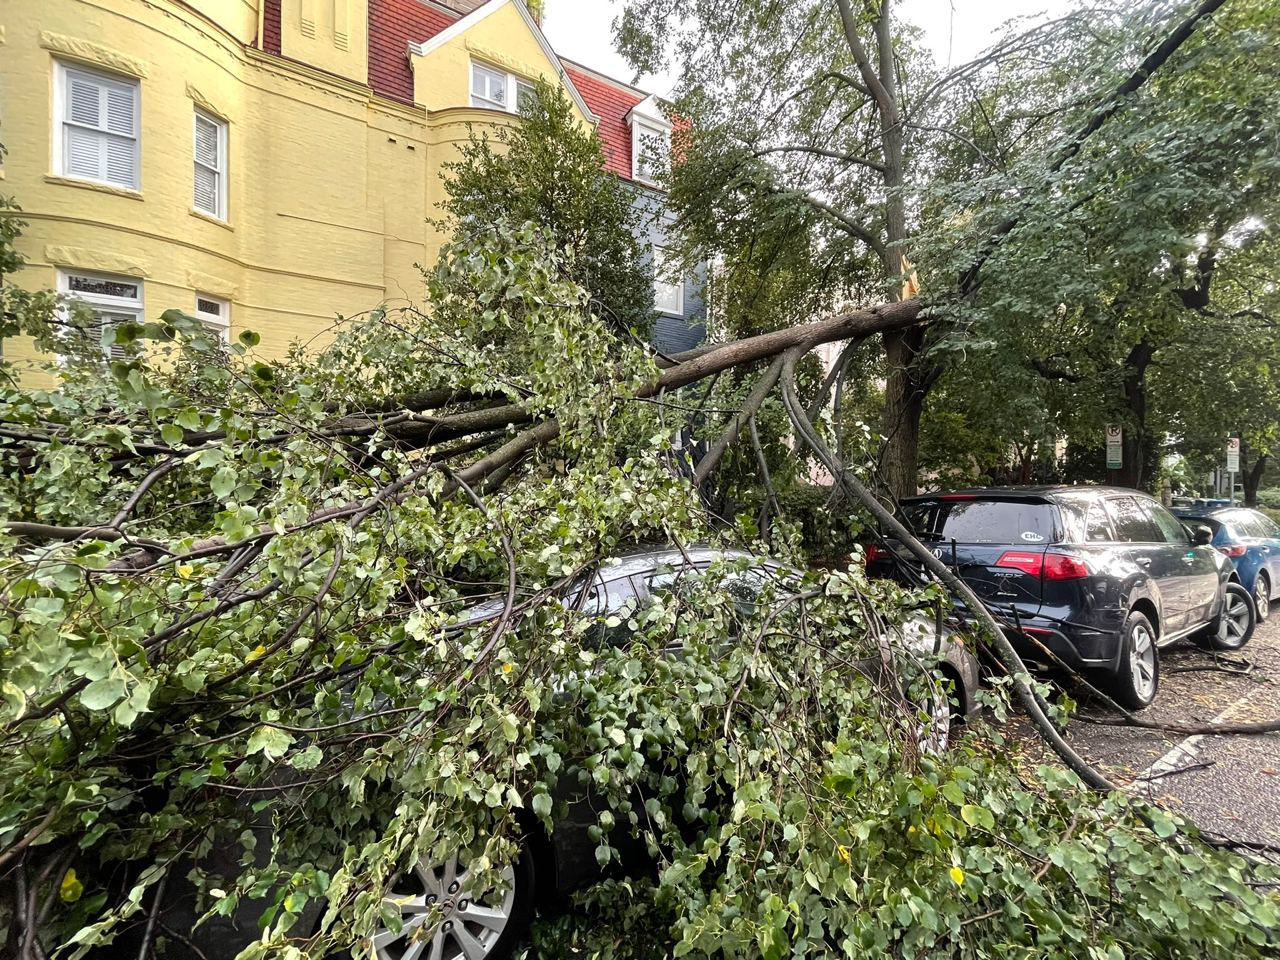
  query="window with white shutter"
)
[
  {"x": 216, "y": 315},
  {"x": 112, "y": 300},
  {"x": 98, "y": 126},
  {"x": 210, "y": 166}
]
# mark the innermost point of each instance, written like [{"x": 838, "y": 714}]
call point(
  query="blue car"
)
[{"x": 1252, "y": 541}]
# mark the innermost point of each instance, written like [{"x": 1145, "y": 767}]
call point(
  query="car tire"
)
[
  {"x": 495, "y": 930},
  {"x": 1233, "y": 627},
  {"x": 1136, "y": 679},
  {"x": 1262, "y": 597}
]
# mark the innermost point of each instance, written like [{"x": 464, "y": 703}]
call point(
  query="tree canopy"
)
[{"x": 550, "y": 170}]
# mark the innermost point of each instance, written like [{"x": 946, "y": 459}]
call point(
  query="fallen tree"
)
[{"x": 238, "y": 614}]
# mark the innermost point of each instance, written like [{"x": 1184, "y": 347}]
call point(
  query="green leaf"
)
[
  {"x": 223, "y": 482},
  {"x": 976, "y": 816},
  {"x": 271, "y": 742},
  {"x": 102, "y": 693},
  {"x": 171, "y": 434}
]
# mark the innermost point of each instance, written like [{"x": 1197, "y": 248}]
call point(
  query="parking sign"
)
[
  {"x": 1233, "y": 455},
  {"x": 1115, "y": 447}
]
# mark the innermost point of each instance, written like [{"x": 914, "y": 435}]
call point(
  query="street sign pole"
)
[{"x": 1233, "y": 466}]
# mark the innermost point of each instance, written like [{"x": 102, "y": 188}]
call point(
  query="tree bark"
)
[
  {"x": 903, "y": 411},
  {"x": 1251, "y": 475},
  {"x": 1133, "y": 472}
]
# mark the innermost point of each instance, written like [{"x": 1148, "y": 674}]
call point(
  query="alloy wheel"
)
[
  {"x": 1142, "y": 662},
  {"x": 1262, "y": 597},
  {"x": 1238, "y": 617},
  {"x": 937, "y": 736},
  {"x": 440, "y": 919}
]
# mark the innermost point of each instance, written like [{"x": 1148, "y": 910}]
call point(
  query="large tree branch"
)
[
  {"x": 884, "y": 100},
  {"x": 845, "y": 222}
]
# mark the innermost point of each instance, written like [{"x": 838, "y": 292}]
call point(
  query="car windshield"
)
[{"x": 983, "y": 521}]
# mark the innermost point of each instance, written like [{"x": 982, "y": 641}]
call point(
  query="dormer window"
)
[
  {"x": 650, "y": 142},
  {"x": 495, "y": 90}
]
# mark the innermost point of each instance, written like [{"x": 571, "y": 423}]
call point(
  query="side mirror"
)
[{"x": 1201, "y": 536}]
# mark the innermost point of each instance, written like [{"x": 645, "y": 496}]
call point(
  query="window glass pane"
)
[
  {"x": 1170, "y": 529},
  {"x": 668, "y": 289},
  {"x": 89, "y": 287},
  {"x": 524, "y": 95},
  {"x": 652, "y": 148},
  {"x": 488, "y": 86},
  {"x": 1132, "y": 523},
  {"x": 1097, "y": 525},
  {"x": 983, "y": 521},
  {"x": 1265, "y": 526}
]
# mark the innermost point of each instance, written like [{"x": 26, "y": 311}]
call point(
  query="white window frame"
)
[
  {"x": 133, "y": 307},
  {"x": 661, "y": 285},
  {"x": 642, "y": 130},
  {"x": 61, "y": 122},
  {"x": 510, "y": 82},
  {"x": 220, "y": 171},
  {"x": 220, "y": 322}
]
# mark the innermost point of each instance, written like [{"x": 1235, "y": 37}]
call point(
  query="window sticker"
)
[{"x": 1032, "y": 537}]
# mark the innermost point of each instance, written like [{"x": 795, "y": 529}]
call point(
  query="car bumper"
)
[{"x": 1046, "y": 643}]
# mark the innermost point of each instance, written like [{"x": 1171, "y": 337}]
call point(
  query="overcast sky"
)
[{"x": 957, "y": 30}]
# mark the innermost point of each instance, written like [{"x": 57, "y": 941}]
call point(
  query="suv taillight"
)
[
  {"x": 1234, "y": 550},
  {"x": 1029, "y": 563},
  {"x": 1060, "y": 566},
  {"x": 1048, "y": 566}
]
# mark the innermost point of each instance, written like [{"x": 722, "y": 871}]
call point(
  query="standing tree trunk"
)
[
  {"x": 1133, "y": 473},
  {"x": 903, "y": 411},
  {"x": 906, "y": 385},
  {"x": 1251, "y": 475}
]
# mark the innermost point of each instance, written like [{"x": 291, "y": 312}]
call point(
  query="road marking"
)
[{"x": 1185, "y": 752}]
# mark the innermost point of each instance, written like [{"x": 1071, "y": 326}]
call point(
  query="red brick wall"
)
[
  {"x": 611, "y": 104},
  {"x": 271, "y": 27}
]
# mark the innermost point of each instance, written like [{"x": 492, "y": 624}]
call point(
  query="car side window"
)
[
  {"x": 1267, "y": 526},
  {"x": 1252, "y": 524},
  {"x": 1097, "y": 525},
  {"x": 1170, "y": 528},
  {"x": 1131, "y": 521}
]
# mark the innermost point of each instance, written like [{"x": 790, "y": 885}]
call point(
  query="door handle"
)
[
  {"x": 1143, "y": 561},
  {"x": 1188, "y": 560}
]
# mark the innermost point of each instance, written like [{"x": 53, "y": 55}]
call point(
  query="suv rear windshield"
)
[{"x": 983, "y": 521}]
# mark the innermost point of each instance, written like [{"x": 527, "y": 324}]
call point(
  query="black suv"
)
[{"x": 1096, "y": 577}]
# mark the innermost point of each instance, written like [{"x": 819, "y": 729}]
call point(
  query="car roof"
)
[
  {"x": 1031, "y": 492},
  {"x": 645, "y": 559}
]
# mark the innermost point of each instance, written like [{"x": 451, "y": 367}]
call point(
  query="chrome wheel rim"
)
[
  {"x": 439, "y": 917},
  {"x": 1142, "y": 662},
  {"x": 937, "y": 736},
  {"x": 1238, "y": 617},
  {"x": 1262, "y": 597}
]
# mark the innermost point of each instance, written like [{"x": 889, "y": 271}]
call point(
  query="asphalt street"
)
[{"x": 1230, "y": 785}]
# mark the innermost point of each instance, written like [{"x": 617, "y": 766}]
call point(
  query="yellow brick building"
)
[{"x": 267, "y": 164}]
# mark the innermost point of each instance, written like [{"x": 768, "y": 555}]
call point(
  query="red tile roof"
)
[
  {"x": 393, "y": 25},
  {"x": 611, "y": 102}
]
